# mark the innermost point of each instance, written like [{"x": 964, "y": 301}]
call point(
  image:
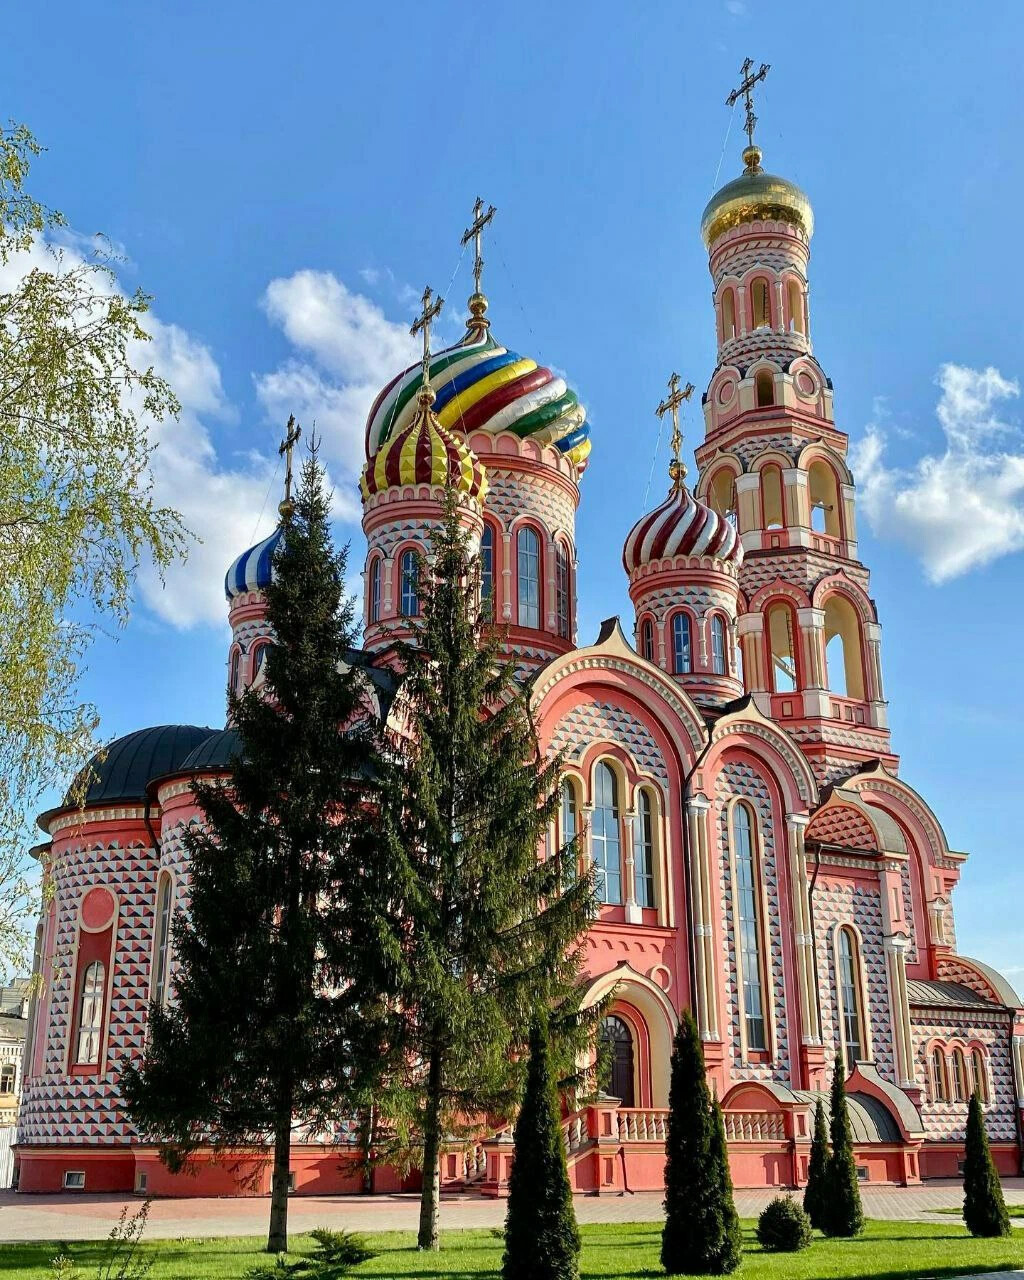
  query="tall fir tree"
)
[
  {"x": 542, "y": 1240},
  {"x": 984, "y": 1207},
  {"x": 490, "y": 929},
  {"x": 842, "y": 1212},
  {"x": 701, "y": 1235},
  {"x": 817, "y": 1169},
  {"x": 273, "y": 1021}
]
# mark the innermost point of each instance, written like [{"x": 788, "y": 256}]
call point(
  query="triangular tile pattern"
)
[
  {"x": 947, "y": 1121},
  {"x": 590, "y": 722},
  {"x": 843, "y": 826},
  {"x": 510, "y": 497}
]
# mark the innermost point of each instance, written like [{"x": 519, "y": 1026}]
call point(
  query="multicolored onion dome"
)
[
  {"x": 425, "y": 452},
  {"x": 252, "y": 571},
  {"x": 681, "y": 526},
  {"x": 482, "y": 386}
]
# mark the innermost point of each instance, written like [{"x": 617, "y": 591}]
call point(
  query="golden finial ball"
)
[
  {"x": 752, "y": 159},
  {"x": 677, "y": 470},
  {"x": 286, "y": 509},
  {"x": 477, "y": 304},
  {"x": 426, "y": 396}
]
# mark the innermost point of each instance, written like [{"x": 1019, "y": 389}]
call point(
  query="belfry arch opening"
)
[
  {"x": 764, "y": 387},
  {"x": 760, "y": 304},
  {"x": 823, "y": 494},
  {"x": 843, "y": 659},
  {"x": 771, "y": 496},
  {"x": 795, "y": 306},
  {"x": 728, "y": 313},
  {"x": 782, "y": 643},
  {"x": 722, "y": 493}
]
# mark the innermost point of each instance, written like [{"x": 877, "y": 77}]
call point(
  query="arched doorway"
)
[{"x": 617, "y": 1040}]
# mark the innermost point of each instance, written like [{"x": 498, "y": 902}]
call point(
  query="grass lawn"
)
[{"x": 886, "y": 1251}]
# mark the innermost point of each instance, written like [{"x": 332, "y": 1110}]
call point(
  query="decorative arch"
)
[
  {"x": 644, "y": 995},
  {"x": 904, "y": 803},
  {"x": 778, "y": 589},
  {"x": 840, "y": 584},
  {"x": 818, "y": 449},
  {"x": 747, "y": 727}
]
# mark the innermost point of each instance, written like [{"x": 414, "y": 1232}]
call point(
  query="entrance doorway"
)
[{"x": 618, "y": 1045}]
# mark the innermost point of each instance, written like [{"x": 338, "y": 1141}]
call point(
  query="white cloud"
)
[{"x": 962, "y": 508}]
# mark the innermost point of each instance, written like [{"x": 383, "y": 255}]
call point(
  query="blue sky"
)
[{"x": 285, "y": 180}]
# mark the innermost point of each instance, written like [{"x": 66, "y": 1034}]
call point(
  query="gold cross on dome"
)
[
  {"x": 670, "y": 404},
  {"x": 422, "y": 324},
  {"x": 745, "y": 89},
  {"x": 474, "y": 233},
  {"x": 291, "y": 439}
]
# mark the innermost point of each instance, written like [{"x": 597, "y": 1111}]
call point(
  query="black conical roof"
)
[{"x": 125, "y": 768}]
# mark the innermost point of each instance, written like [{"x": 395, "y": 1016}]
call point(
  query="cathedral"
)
[{"x": 728, "y": 769}]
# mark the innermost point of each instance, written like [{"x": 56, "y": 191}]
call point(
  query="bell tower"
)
[{"x": 774, "y": 463}]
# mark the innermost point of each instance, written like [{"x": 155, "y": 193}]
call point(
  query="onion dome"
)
[
  {"x": 424, "y": 452},
  {"x": 755, "y": 196},
  {"x": 681, "y": 526},
  {"x": 482, "y": 386},
  {"x": 124, "y": 769},
  {"x": 253, "y": 570}
]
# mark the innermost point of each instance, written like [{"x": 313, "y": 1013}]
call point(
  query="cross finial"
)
[
  {"x": 745, "y": 89},
  {"x": 291, "y": 439},
  {"x": 431, "y": 310},
  {"x": 671, "y": 403},
  {"x": 474, "y": 232}
]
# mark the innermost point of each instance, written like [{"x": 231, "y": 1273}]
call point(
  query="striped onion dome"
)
[
  {"x": 425, "y": 452},
  {"x": 681, "y": 526},
  {"x": 253, "y": 569},
  {"x": 482, "y": 386}
]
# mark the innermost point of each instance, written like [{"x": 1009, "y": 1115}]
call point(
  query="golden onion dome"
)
[{"x": 755, "y": 196}]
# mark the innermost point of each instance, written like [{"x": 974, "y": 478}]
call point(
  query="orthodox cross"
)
[
  {"x": 671, "y": 405},
  {"x": 480, "y": 220},
  {"x": 746, "y": 90},
  {"x": 285, "y": 451},
  {"x": 431, "y": 310}
]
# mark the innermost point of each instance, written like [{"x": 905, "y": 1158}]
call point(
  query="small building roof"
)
[
  {"x": 870, "y": 1119},
  {"x": 947, "y": 995}
]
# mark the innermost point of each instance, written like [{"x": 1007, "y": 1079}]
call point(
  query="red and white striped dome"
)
[{"x": 681, "y": 526}]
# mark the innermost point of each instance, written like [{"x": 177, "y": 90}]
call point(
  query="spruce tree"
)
[
  {"x": 273, "y": 1021},
  {"x": 701, "y": 1235},
  {"x": 817, "y": 1169},
  {"x": 542, "y": 1240},
  {"x": 984, "y": 1208},
  {"x": 490, "y": 929},
  {"x": 842, "y": 1213}
]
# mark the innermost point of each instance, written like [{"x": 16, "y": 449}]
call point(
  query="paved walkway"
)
[{"x": 90, "y": 1217}]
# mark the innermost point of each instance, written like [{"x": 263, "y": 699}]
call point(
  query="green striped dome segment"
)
[{"x": 482, "y": 386}]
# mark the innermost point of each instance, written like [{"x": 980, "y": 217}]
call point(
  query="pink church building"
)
[{"x": 727, "y": 761}]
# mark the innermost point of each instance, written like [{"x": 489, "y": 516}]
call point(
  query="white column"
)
[
  {"x": 895, "y": 949},
  {"x": 705, "y": 970},
  {"x": 810, "y": 1027},
  {"x": 506, "y": 577},
  {"x": 634, "y": 914}
]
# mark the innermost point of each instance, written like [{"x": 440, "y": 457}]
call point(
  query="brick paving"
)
[{"x": 90, "y": 1217}]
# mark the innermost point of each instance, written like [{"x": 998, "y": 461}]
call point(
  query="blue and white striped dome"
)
[{"x": 252, "y": 571}]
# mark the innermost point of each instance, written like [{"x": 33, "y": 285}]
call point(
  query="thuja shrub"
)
[{"x": 783, "y": 1226}]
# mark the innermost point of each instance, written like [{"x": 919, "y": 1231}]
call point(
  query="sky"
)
[{"x": 284, "y": 181}]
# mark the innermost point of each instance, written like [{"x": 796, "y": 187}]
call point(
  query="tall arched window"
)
[
  {"x": 528, "y": 568},
  {"x": 728, "y": 315},
  {"x": 783, "y": 648},
  {"x": 568, "y": 818},
  {"x": 718, "y": 644},
  {"x": 851, "y": 1014},
  {"x": 259, "y": 656},
  {"x": 236, "y": 657},
  {"x": 959, "y": 1076},
  {"x": 562, "y": 589},
  {"x": 748, "y": 922},
  {"x": 375, "y": 589},
  {"x": 795, "y": 297},
  {"x": 487, "y": 571},
  {"x": 940, "y": 1085},
  {"x": 409, "y": 574},
  {"x": 761, "y": 309},
  {"x": 605, "y": 836},
  {"x": 90, "y": 1014},
  {"x": 647, "y": 639},
  {"x": 643, "y": 850},
  {"x": 162, "y": 939},
  {"x": 980, "y": 1074},
  {"x": 682, "y": 647}
]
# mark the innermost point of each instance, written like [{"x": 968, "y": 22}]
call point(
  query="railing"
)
[
  {"x": 575, "y": 1131},
  {"x": 754, "y": 1126},
  {"x": 636, "y": 1124},
  {"x": 475, "y": 1163},
  {"x": 848, "y": 710}
]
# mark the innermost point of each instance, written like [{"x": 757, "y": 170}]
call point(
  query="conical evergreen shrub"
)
[
  {"x": 542, "y": 1240},
  {"x": 701, "y": 1232},
  {"x": 984, "y": 1208},
  {"x": 842, "y": 1213},
  {"x": 817, "y": 1169}
]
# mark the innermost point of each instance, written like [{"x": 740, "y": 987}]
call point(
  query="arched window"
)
[
  {"x": 959, "y": 1076},
  {"x": 528, "y": 558},
  {"x": 843, "y": 662},
  {"x": 568, "y": 817},
  {"x": 718, "y": 644},
  {"x": 259, "y": 656},
  {"x": 410, "y": 580},
  {"x": 823, "y": 495},
  {"x": 851, "y": 1014},
  {"x": 562, "y": 589},
  {"x": 795, "y": 297},
  {"x": 748, "y": 922},
  {"x": 617, "y": 1043},
  {"x": 980, "y": 1074},
  {"x": 728, "y": 315},
  {"x": 647, "y": 639},
  {"x": 764, "y": 386},
  {"x": 761, "y": 309},
  {"x": 682, "y": 646},
  {"x": 940, "y": 1084},
  {"x": 487, "y": 571},
  {"x": 771, "y": 497},
  {"x": 643, "y": 850},
  {"x": 783, "y": 648},
  {"x": 722, "y": 494},
  {"x": 7, "y": 1077},
  {"x": 605, "y": 835},
  {"x": 375, "y": 589},
  {"x": 236, "y": 656},
  {"x": 162, "y": 939},
  {"x": 90, "y": 1014}
]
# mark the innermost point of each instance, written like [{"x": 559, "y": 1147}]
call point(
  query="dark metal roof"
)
[
  {"x": 124, "y": 769},
  {"x": 870, "y": 1119},
  {"x": 214, "y": 752},
  {"x": 950, "y": 995}
]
